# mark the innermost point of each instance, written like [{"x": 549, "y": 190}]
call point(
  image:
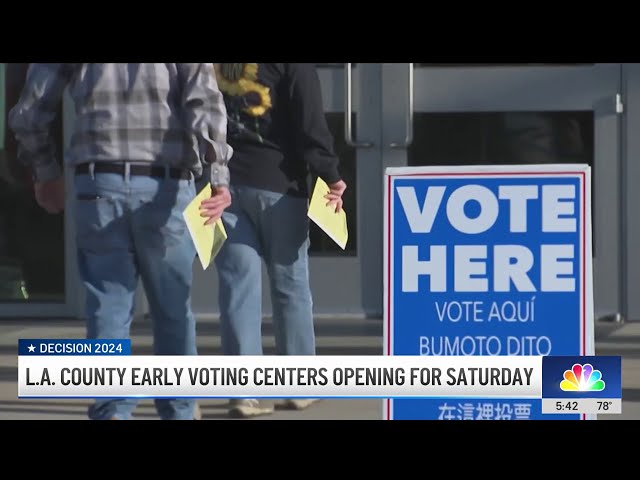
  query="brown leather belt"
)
[{"x": 137, "y": 170}]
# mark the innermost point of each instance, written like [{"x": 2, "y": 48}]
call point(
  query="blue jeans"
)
[
  {"x": 131, "y": 227},
  {"x": 274, "y": 228}
]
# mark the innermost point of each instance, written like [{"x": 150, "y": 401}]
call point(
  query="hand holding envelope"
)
[
  {"x": 208, "y": 239},
  {"x": 333, "y": 223}
]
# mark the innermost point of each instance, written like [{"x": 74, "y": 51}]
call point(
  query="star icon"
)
[{"x": 31, "y": 348}]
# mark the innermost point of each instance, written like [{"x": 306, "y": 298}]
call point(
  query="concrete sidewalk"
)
[{"x": 335, "y": 337}]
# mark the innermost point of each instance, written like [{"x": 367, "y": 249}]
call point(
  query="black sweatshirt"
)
[{"x": 277, "y": 128}]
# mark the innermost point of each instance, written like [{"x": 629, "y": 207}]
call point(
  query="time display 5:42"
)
[{"x": 571, "y": 406}]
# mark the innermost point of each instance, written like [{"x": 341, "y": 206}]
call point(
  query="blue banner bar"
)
[{"x": 59, "y": 346}]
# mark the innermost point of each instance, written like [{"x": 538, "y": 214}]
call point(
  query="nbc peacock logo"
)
[{"x": 582, "y": 378}]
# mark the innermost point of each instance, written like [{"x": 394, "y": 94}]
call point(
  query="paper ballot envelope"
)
[
  {"x": 332, "y": 223},
  {"x": 208, "y": 239}
]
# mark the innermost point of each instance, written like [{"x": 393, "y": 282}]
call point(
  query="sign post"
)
[{"x": 487, "y": 260}]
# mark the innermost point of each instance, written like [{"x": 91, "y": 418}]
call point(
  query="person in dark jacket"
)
[{"x": 280, "y": 138}]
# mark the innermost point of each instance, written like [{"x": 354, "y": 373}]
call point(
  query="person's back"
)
[
  {"x": 276, "y": 126},
  {"x": 141, "y": 134},
  {"x": 131, "y": 112},
  {"x": 278, "y": 130}
]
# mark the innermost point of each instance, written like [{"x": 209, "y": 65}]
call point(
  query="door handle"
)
[
  {"x": 348, "y": 112},
  {"x": 409, "y": 126}
]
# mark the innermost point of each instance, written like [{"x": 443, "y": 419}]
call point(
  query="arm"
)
[
  {"x": 32, "y": 118},
  {"x": 206, "y": 117},
  {"x": 315, "y": 139}
]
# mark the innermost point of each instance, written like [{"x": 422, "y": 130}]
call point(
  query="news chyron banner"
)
[
  {"x": 68, "y": 368},
  {"x": 488, "y": 261}
]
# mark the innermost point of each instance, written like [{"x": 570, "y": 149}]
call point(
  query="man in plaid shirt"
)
[{"x": 142, "y": 133}]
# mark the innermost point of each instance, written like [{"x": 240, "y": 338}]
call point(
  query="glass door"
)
[
  {"x": 35, "y": 277},
  {"x": 516, "y": 114}
]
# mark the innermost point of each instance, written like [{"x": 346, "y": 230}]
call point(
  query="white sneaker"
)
[
  {"x": 296, "y": 403},
  {"x": 247, "y": 408}
]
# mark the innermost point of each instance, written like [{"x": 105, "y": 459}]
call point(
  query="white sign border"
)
[{"x": 583, "y": 171}]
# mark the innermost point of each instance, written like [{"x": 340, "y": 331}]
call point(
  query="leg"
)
[
  {"x": 239, "y": 267},
  {"x": 285, "y": 229},
  {"x": 285, "y": 236},
  {"x": 165, "y": 255},
  {"x": 107, "y": 268}
]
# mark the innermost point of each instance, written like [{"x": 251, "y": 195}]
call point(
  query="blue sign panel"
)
[{"x": 487, "y": 261}]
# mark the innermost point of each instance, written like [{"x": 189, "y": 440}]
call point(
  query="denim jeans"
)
[
  {"x": 274, "y": 228},
  {"x": 131, "y": 227}
]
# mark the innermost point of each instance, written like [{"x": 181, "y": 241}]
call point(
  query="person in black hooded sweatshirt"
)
[{"x": 280, "y": 138}]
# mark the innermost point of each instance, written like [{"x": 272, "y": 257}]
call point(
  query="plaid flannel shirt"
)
[{"x": 161, "y": 113}]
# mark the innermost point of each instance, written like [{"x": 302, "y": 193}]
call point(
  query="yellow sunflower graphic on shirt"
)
[{"x": 241, "y": 80}]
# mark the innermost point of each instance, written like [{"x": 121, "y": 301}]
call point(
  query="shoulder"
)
[
  {"x": 41, "y": 70},
  {"x": 286, "y": 71},
  {"x": 304, "y": 73},
  {"x": 270, "y": 73}
]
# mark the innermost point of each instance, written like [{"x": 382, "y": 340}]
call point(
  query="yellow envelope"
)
[
  {"x": 208, "y": 239},
  {"x": 332, "y": 223}
]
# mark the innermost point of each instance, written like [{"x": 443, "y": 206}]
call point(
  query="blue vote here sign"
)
[{"x": 487, "y": 260}]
